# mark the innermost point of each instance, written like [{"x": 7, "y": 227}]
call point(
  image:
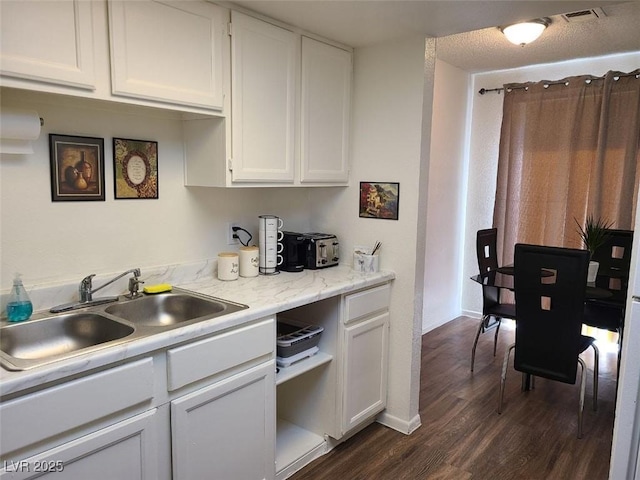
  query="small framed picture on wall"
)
[
  {"x": 135, "y": 168},
  {"x": 77, "y": 168},
  {"x": 379, "y": 200}
]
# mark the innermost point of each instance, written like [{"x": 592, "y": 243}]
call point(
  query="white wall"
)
[
  {"x": 445, "y": 210},
  {"x": 386, "y": 141},
  {"x": 64, "y": 241},
  {"x": 485, "y": 137}
]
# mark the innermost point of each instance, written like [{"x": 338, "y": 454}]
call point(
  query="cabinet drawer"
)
[
  {"x": 198, "y": 360},
  {"x": 58, "y": 409},
  {"x": 363, "y": 303}
]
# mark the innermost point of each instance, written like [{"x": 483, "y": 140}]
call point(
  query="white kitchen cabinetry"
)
[
  {"x": 226, "y": 430},
  {"x": 82, "y": 424},
  {"x": 170, "y": 55},
  {"x": 50, "y": 42},
  {"x": 201, "y": 409},
  {"x": 365, "y": 380},
  {"x": 329, "y": 396},
  {"x": 325, "y": 112},
  {"x": 264, "y": 74},
  {"x": 168, "y": 51},
  {"x": 126, "y": 451},
  {"x": 366, "y": 340},
  {"x": 289, "y": 116}
]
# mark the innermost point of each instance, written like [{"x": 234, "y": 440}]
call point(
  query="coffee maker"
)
[{"x": 294, "y": 252}]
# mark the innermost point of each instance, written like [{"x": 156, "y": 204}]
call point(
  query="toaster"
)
[{"x": 322, "y": 250}]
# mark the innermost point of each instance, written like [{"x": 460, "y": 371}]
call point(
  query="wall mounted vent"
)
[{"x": 584, "y": 15}]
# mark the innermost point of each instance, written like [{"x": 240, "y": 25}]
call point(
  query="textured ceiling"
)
[
  {"x": 468, "y": 37},
  {"x": 487, "y": 49}
]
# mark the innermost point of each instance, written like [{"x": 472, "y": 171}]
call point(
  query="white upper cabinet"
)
[
  {"x": 290, "y": 113},
  {"x": 48, "y": 41},
  {"x": 325, "y": 112},
  {"x": 264, "y": 66},
  {"x": 168, "y": 51},
  {"x": 172, "y": 55}
]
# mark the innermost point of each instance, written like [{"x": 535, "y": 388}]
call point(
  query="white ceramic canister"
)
[
  {"x": 249, "y": 258},
  {"x": 228, "y": 266}
]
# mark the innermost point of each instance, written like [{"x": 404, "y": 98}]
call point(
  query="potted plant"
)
[{"x": 593, "y": 235}]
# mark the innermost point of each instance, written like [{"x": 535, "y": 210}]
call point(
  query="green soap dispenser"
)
[{"x": 19, "y": 306}]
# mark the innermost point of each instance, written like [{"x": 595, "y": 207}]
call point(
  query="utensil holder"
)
[{"x": 365, "y": 263}]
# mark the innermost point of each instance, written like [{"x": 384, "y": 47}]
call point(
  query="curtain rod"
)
[{"x": 482, "y": 91}]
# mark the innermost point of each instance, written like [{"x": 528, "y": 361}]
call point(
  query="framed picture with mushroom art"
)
[
  {"x": 77, "y": 168},
  {"x": 135, "y": 168}
]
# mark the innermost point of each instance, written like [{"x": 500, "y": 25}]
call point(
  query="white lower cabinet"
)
[
  {"x": 126, "y": 450},
  {"x": 366, "y": 343},
  {"x": 326, "y": 398},
  {"x": 210, "y": 408},
  {"x": 226, "y": 430},
  {"x": 365, "y": 370}
]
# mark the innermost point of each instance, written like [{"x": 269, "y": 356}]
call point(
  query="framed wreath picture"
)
[
  {"x": 379, "y": 200},
  {"x": 135, "y": 168},
  {"x": 77, "y": 168}
]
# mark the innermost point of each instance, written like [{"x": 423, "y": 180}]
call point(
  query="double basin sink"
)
[{"x": 57, "y": 337}]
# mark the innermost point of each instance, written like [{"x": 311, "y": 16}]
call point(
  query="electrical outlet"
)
[{"x": 231, "y": 233}]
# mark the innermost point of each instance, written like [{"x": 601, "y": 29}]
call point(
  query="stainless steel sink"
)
[
  {"x": 167, "y": 309},
  {"x": 50, "y": 338}
]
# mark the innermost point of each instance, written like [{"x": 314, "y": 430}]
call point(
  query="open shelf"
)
[
  {"x": 296, "y": 447},
  {"x": 292, "y": 371}
]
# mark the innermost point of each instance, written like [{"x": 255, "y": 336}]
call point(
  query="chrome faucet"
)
[{"x": 86, "y": 292}]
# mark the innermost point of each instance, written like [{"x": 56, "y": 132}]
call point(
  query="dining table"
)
[{"x": 503, "y": 277}]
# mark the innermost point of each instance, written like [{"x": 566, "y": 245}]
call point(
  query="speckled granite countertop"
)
[{"x": 265, "y": 295}]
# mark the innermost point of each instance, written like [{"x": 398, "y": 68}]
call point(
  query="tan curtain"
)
[{"x": 567, "y": 149}]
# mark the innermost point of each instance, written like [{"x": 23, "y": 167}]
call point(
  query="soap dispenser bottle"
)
[{"x": 19, "y": 306}]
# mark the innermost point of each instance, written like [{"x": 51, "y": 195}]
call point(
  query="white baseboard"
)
[
  {"x": 402, "y": 426},
  {"x": 472, "y": 314}
]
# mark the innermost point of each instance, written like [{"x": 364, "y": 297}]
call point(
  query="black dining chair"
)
[
  {"x": 493, "y": 311},
  {"x": 550, "y": 310},
  {"x": 614, "y": 257}
]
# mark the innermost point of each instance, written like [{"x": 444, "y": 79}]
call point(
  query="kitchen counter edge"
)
[{"x": 264, "y": 295}]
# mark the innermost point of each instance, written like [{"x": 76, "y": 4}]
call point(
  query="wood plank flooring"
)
[{"x": 462, "y": 436}]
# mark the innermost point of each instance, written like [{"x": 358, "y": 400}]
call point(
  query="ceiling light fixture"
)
[{"x": 525, "y": 32}]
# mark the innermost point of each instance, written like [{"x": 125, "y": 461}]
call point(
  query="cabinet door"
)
[
  {"x": 227, "y": 430},
  {"x": 126, "y": 451},
  {"x": 168, "y": 51},
  {"x": 48, "y": 41},
  {"x": 365, "y": 370},
  {"x": 264, "y": 62},
  {"x": 326, "y": 105}
]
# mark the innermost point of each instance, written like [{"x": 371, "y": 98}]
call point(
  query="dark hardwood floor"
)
[{"x": 462, "y": 436}]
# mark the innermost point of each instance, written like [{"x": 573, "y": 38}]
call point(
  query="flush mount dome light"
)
[{"x": 525, "y": 32}]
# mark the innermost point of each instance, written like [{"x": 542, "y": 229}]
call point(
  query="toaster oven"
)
[{"x": 322, "y": 250}]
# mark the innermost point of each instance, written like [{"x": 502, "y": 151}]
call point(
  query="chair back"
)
[
  {"x": 486, "y": 241},
  {"x": 549, "y": 310},
  {"x": 615, "y": 253},
  {"x": 614, "y": 257}
]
